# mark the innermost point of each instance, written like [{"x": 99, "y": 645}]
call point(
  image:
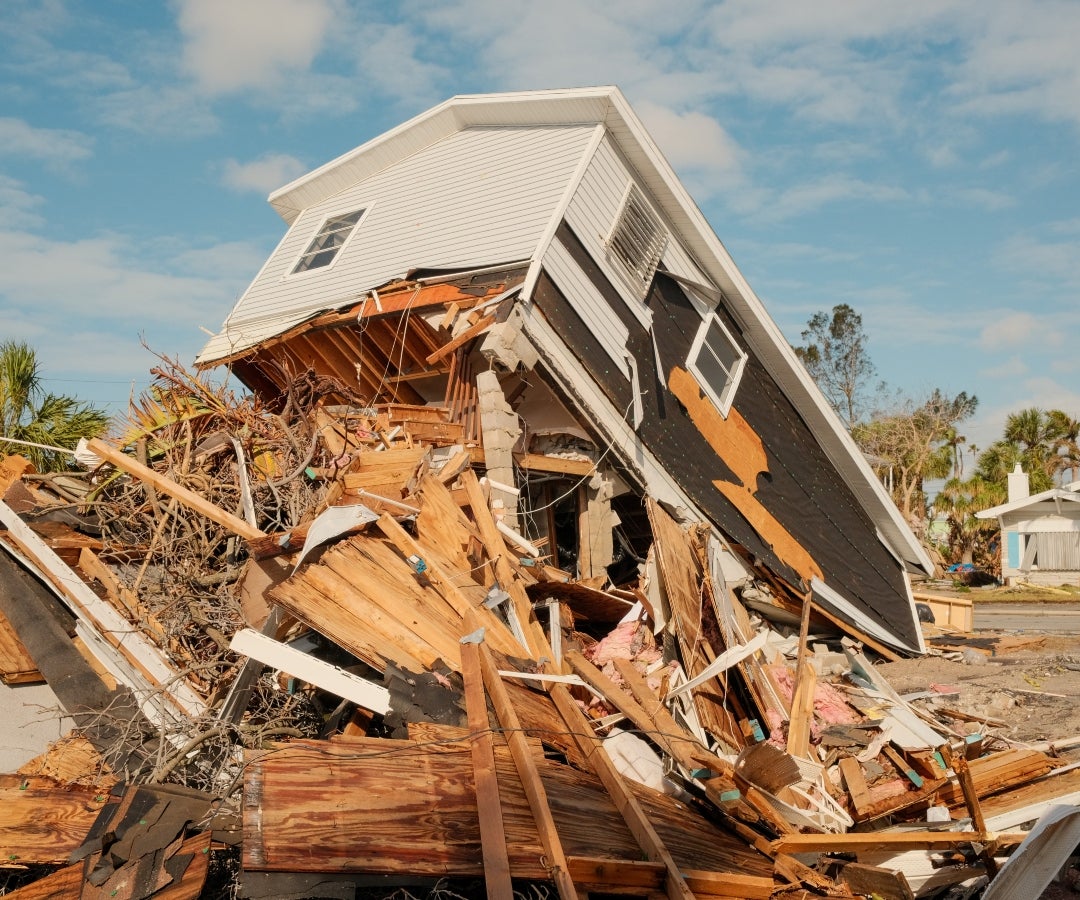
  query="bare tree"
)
[{"x": 835, "y": 354}]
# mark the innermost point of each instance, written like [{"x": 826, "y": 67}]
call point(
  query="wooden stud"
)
[
  {"x": 642, "y": 829},
  {"x": 488, "y": 805},
  {"x": 180, "y": 493},
  {"x": 529, "y": 775}
]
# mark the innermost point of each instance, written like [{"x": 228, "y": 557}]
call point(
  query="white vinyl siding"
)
[
  {"x": 479, "y": 197},
  {"x": 588, "y": 303},
  {"x": 593, "y": 211}
]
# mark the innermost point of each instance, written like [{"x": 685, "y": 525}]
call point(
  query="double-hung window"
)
[
  {"x": 326, "y": 245},
  {"x": 717, "y": 362}
]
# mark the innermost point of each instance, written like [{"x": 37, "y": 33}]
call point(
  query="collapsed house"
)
[
  {"x": 532, "y": 556},
  {"x": 590, "y": 307}
]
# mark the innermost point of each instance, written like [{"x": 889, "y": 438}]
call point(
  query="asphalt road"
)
[{"x": 1054, "y": 618}]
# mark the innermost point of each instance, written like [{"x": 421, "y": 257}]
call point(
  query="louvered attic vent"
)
[{"x": 638, "y": 238}]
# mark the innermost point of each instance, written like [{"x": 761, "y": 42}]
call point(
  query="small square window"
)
[
  {"x": 717, "y": 362},
  {"x": 637, "y": 238},
  {"x": 326, "y": 244}
]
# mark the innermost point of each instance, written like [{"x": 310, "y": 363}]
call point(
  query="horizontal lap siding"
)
[
  {"x": 481, "y": 196},
  {"x": 591, "y": 214},
  {"x": 589, "y": 304}
]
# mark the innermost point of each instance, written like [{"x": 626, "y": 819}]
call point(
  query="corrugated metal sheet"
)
[{"x": 478, "y": 197}]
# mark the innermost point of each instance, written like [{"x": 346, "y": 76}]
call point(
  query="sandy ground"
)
[{"x": 1029, "y": 683}]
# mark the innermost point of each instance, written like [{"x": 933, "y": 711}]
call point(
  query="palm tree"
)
[
  {"x": 961, "y": 500},
  {"x": 28, "y": 414},
  {"x": 1067, "y": 443}
]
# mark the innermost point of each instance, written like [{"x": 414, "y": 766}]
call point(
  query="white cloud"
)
[
  {"x": 263, "y": 175},
  {"x": 150, "y": 109},
  {"x": 18, "y": 206},
  {"x": 696, "y": 145},
  {"x": 982, "y": 198},
  {"x": 50, "y": 145},
  {"x": 813, "y": 195},
  {"x": 1008, "y": 331},
  {"x": 1057, "y": 259},
  {"x": 251, "y": 43}
]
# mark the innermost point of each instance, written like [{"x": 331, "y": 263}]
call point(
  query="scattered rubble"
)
[{"x": 302, "y": 638}]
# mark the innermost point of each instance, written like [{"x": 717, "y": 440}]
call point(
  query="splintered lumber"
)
[
  {"x": 999, "y": 772},
  {"x": 602, "y": 766},
  {"x": 467, "y": 335},
  {"x": 854, "y": 842},
  {"x": 802, "y": 701},
  {"x": 485, "y": 780},
  {"x": 143, "y": 662},
  {"x": 875, "y": 881},
  {"x": 43, "y": 821},
  {"x": 188, "y": 498},
  {"x": 495, "y": 547},
  {"x": 677, "y": 744},
  {"x": 527, "y": 771},
  {"x": 17, "y": 666},
  {"x": 418, "y": 815},
  {"x": 69, "y": 760}
]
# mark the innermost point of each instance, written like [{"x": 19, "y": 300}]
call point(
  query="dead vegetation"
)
[{"x": 311, "y": 632}]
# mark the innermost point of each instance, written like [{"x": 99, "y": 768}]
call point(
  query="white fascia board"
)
[
  {"x": 1055, "y": 494},
  {"x": 324, "y": 675}
]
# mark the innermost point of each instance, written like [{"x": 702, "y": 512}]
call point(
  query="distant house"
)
[
  {"x": 1040, "y": 533},
  {"x": 529, "y": 263}
]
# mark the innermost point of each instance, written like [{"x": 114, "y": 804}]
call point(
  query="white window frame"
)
[
  {"x": 650, "y": 246},
  {"x": 293, "y": 273},
  {"x": 723, "y": 400}
]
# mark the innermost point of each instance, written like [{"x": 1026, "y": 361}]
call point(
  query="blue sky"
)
[{"x": 917, "y": 160}]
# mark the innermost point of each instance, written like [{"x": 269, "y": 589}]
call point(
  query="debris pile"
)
[{"x": 320, "y": 638}]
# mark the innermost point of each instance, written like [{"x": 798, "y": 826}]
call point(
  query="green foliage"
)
[
  {"x": 836, "y": 356},
  {"x": 915, "y": 442},
  {"x": 970, "y": 538},
  {"x": 29, "y": 413},
  {"x": 1042, "y": 443}
]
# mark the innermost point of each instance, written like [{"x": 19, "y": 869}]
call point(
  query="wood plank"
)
[
  {"x": 602, "y": 766},
  {"x": 855, "y": 780},
  {"x": 686, "y": 751},
  {"x": 876, "y": 881},
  {"x": 189, "y": 498},
  {"x": 467, "y": 335},
  {"x": 529, "y": 775},
  {"x": 42, "y": 821},
  {"x": 301, "y": 814},
  {"x": 63, "y": 884},
  {"x": 802, "y": 700},
  {"x": 488, "y": 805},
  {"x": 17, "y": 666},
  {"x": 495, "y": 546},
  {"x": 854, "y": 842},
  {"x": 540, "y": 462}
]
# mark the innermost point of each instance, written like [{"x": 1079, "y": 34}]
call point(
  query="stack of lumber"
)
[{"x": 456, "y": 705}]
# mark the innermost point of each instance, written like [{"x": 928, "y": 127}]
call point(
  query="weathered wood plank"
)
[
  {"x": 42, "y": 822},
  {"x": 488, "y": 805}
]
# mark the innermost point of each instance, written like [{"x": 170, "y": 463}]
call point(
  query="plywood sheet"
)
[{"x": 416, "y": 814}]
